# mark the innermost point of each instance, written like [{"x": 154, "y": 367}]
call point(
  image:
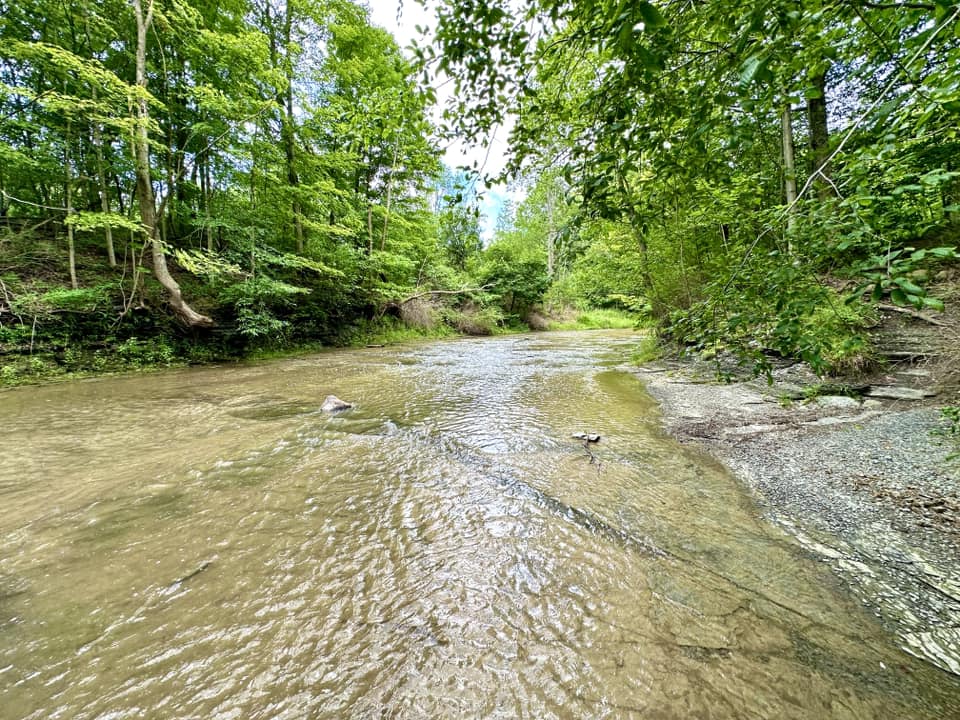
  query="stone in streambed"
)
[
  {"x": 898, "y": 392},
  {"x": 840, "y": 402},
  {"x": 586, "y": 437},
  {"x": 333, "y": 404}
]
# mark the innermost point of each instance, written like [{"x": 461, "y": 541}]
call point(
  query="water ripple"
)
[{"x": 207, "y": 544}]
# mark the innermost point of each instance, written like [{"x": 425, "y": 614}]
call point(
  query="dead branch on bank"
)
[
  {"x": 911, "y": 313},
  {"x": 397, "y": 305}
]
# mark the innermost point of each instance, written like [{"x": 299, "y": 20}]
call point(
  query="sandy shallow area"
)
[{"x": 864, "y": 483}]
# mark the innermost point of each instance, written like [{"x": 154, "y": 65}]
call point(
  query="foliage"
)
[
  {"x": 666, "y": 122},
  {"x": 647, "y": 350},
  {"x": 897, "y": 272},
  {"x": 597, "y": 319},
  {"x": 286, "y": 151},
  {"x": 472, "y": 319}
]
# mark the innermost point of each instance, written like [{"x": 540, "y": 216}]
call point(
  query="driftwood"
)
[
  {"x": 588, "y": 439},
  {"x": 397, "y": 304},
  {"x": 911, "y": 313}
]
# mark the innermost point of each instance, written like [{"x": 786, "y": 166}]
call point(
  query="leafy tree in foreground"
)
[{"x": 747, "y": 148}]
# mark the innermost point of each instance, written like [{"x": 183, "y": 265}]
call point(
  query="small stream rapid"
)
[{"x": 205, "y": 543}]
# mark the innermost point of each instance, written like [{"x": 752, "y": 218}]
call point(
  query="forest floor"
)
[{"x": 863, "y": 480}]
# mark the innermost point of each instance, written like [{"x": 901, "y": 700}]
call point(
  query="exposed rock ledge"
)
[{"x": 864, "y": 484}]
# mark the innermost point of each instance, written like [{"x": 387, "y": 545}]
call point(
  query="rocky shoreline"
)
[{"x": 864, "y": 483}]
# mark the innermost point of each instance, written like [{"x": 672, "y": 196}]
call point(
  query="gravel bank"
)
[{"x": 863, "y": 484}]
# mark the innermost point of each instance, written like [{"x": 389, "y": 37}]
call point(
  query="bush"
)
[{"x": 139, "y": 352}]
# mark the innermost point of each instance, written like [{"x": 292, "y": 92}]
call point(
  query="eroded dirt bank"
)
[{"x": 864, "y": 483}]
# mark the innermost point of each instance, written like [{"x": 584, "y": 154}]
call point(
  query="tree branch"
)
[
  {"x": 911, "y": 313},
  {"x": 431, "y": 293},
  {"x": 899, "y": 6}
]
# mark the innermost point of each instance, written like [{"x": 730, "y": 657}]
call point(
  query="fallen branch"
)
[
  {"x": 397, "y": 304},
  {"x": 911, "y": 313},
  {"x": 190, "y": 575},
  {"x": 431, "y": 293}
]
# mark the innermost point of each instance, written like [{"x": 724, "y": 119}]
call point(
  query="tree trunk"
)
[
  {"x": 203, "y": 175},
  {"x": 71, "y": 249},
  {"x": 369, "y": 229},
  {"x": 789, "y": 166},
  {"x": 104, "y": 191},
  {"x": 819, "y": 136},
  {"x": 393, "y": 169},
  {"x": 145, "y": 198},
  {"x": 551, "y": 236},
  {"x": 288, "y": 132}
]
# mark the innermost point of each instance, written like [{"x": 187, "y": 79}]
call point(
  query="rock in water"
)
[
  {"x": 333, "y": 404},
  {"x": 587, "y": 437}
]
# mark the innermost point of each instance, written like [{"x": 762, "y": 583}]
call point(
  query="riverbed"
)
[{"x": 206, "y": 543}]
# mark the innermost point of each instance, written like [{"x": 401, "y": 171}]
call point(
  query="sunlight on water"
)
[{"x": 207, "y": 544}]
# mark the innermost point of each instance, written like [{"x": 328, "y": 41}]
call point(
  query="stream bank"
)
[{"x": 864, "y": 483}]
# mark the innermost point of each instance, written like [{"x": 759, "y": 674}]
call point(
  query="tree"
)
[
  {"x": 675, "y": 119},
  {"x": 145, "y": 196}
]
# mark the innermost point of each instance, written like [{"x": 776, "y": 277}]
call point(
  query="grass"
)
[
  {"x": 390, "y": 331},
  {"x": 647, "y": 350},
  {"x": 597, "y": 319}
]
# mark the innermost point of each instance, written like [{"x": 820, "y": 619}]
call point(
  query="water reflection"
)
[{"x": 208, "y": 544}]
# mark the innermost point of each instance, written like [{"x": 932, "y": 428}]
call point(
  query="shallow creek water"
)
[{"x": 207, "y": 544}]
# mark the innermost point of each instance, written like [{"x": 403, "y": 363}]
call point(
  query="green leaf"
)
[
  {"x": 651, "y": 16},
  {"x": 908, "y": 286},
  {"x": 86, "y": 221},
  {"x": 648, "y": 59},
  {"x": 751, "y": 68}
]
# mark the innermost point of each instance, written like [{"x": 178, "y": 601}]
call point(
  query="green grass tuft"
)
[{"x": 597, "y": 319}]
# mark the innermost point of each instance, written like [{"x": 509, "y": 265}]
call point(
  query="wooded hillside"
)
[
  {"x": 204, "y": 178},
  {"x": 752, "y": 175}
]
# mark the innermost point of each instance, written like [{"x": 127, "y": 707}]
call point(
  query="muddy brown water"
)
[{"x": 207, "y": 544}]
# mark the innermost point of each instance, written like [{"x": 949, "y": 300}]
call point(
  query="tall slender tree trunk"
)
[
  {"x": 145, "y": 197},
  {"x": 393, "y": 169},
  {"x": 205, "y": 191},
  {"x": 289, "y": 136},
  {"x": 369, "y": 229},
  {"x": 819, "y": 136},
  {"x": 68, "y": 196},
  {"x": 551, "y": 236},
  {"x": 789, "y": 166},
  {"x": 287, "y": 120},
  {"x": 104, "y": 190}
]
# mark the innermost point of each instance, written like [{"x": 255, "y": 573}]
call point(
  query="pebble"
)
[{"x": 874, "y": 481}]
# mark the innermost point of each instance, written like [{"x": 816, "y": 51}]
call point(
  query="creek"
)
[{"x": 205, "y": 543}]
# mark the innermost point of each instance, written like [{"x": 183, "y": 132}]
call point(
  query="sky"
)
[{"x": 401, "y": 18}]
